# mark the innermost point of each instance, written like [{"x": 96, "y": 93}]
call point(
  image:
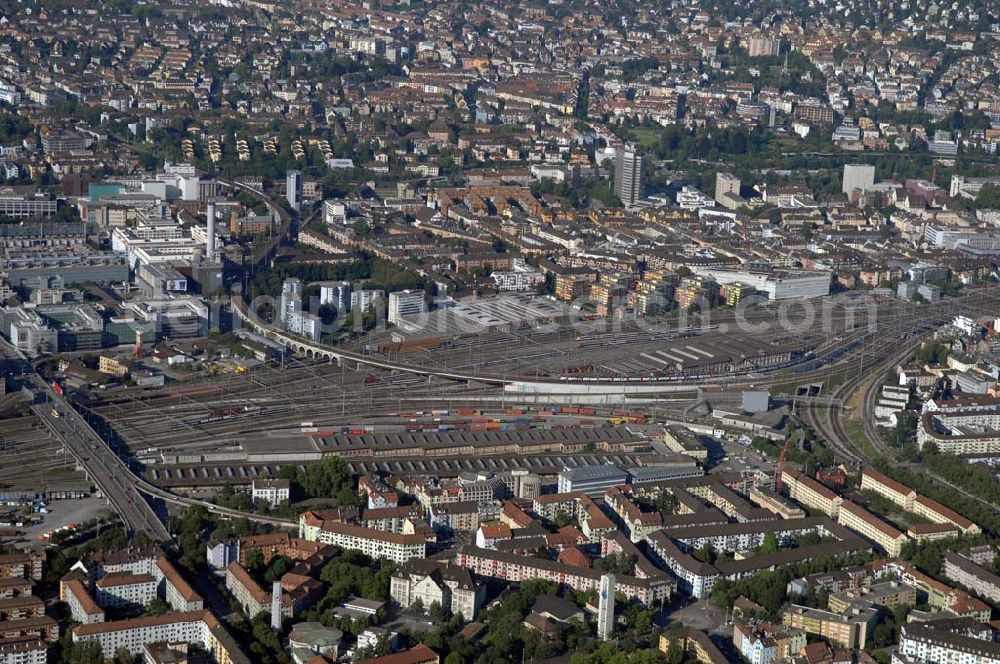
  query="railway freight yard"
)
[
  {"x": 228, "y": 429},
  {"x": 540, "y": 400},
  {"x": 234, "y": 428},
  {"x": 723, "y": 345}
]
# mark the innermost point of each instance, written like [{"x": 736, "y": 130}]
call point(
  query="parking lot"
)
[
  {"x": 742, "y": 457},
  {"x": 64, "y": 512},
  {"x": 701, "y": 614}
]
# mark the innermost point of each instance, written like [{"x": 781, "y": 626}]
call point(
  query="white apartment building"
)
[
  {"x": 33, "y": 651},
  {"x": 334, "y": 212},
  {"x": 689, "y": 198},
  {"x": 924, "y": 642},
  {"x": 971, "y": 431},
  {"x": 170, "y": 585},
  {"x": 695, "y": 578},
  {"x": 337, "y": 295},
  {"x": 374, "y": 543},
  {"x": 82, "y": 607},
  {"x": 293, "y": 316},
  {"x": 124, "y": 590},
  {"x": 452, "y": 587},
  {"x": 270, "y": 491},
  {"x": 521, "y": 277},
  {"x": 366, "y": 299},
  {"x": 177, "y": 592},
  {"x": 189, "y": 627}
]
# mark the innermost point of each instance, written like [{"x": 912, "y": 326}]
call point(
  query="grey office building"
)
[
  {"x": 591, "y": 480},
  {"x": 293, "y": 189},
  {"x": 630, "y": 174}
]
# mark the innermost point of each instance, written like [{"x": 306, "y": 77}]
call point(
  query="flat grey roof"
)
[{"x": 585, "y": 473}]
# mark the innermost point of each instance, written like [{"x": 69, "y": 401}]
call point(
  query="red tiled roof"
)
[{"x": 418, "y": 654}]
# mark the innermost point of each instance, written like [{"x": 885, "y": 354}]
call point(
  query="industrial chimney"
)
[{"x": 210, "y": 241}]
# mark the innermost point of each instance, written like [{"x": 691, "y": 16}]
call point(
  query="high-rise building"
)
[
  {"x": 859, "y": 177},
  {"x": 364, "y": 300},
  {"x": 291, "y": 300},
  {"x": 630, "y": 174},
  {"x": 606, "y": 607},
  {"x": 293, "y": 189},
  {"x": 336, "y": 294},
  {"x": 763, "y": 47},
  {"x": 726, "y": 183},
  {"x": 210, "y": 237},
  {"x": 292, "y": 315},
  {"x": 405, "y": 303}
]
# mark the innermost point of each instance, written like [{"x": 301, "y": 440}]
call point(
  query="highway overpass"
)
[{"x": 104, "y": 468}]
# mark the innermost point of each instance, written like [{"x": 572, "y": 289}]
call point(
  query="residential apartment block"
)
[
  {"x": 397, "y": 547},
  {"x": 449, "y": 586},
  {"x": 807, "y": 491},
  {"x": 911, "y": 501},
  {"x": 871, "y": 527},
  {"x": 951, "y": 640},
  {"x": 82, "y": 607},
  {"x": 850, "y": 630},
  {"x": 764, "y": 643},
  {"x": 121, "y": 590},
  {"x": 968, "y": 574},
  {"x": 515, "y": 568},
  {"x": 188, "y": 627}
]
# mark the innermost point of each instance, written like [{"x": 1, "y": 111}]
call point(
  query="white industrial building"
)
[
  {"x": 521, "y": 277},
  {"x": 860, "y": 177},
  {"x": 778, "y": 284},
  {"x": 405, "y": 303}
]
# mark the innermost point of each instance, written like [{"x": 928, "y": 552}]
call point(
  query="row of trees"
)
[
  {"x": 767, "y": 588},
  {"x": 329, "y": 479},
  {"x": 809, "y": 454},
  {"x": 988, "y": 197},
  {"x": 377, "y": 273},
  {"x": 974, "y": 479},
  {"x": 579, "y": 192}
]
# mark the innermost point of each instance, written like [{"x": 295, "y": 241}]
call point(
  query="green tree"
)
[
  {"x": 675, "y": 654},
  {"x": 618, "y": 563},
  {"x": 330, "y": 478},
  {"x": 436, "y": 611},
  {"x": 562, "y": 519},
  {"x": 988, "y": 197},
  {"x": 705, "y": 553},
  {"x": 123, "y": 656},
  {"x": 770, "y": 543},
  {"x": 157, "y": 607},
  {"x": 666, "y": 503},
  {"x": 254, "y": 561},
  {"x": 278, "y": 568},
  {"x": 86, "y": 652}
]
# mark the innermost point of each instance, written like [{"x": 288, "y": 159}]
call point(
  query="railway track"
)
[
  {"x": 310, "y": 388},
  {"x": 898, "y": 314}
]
